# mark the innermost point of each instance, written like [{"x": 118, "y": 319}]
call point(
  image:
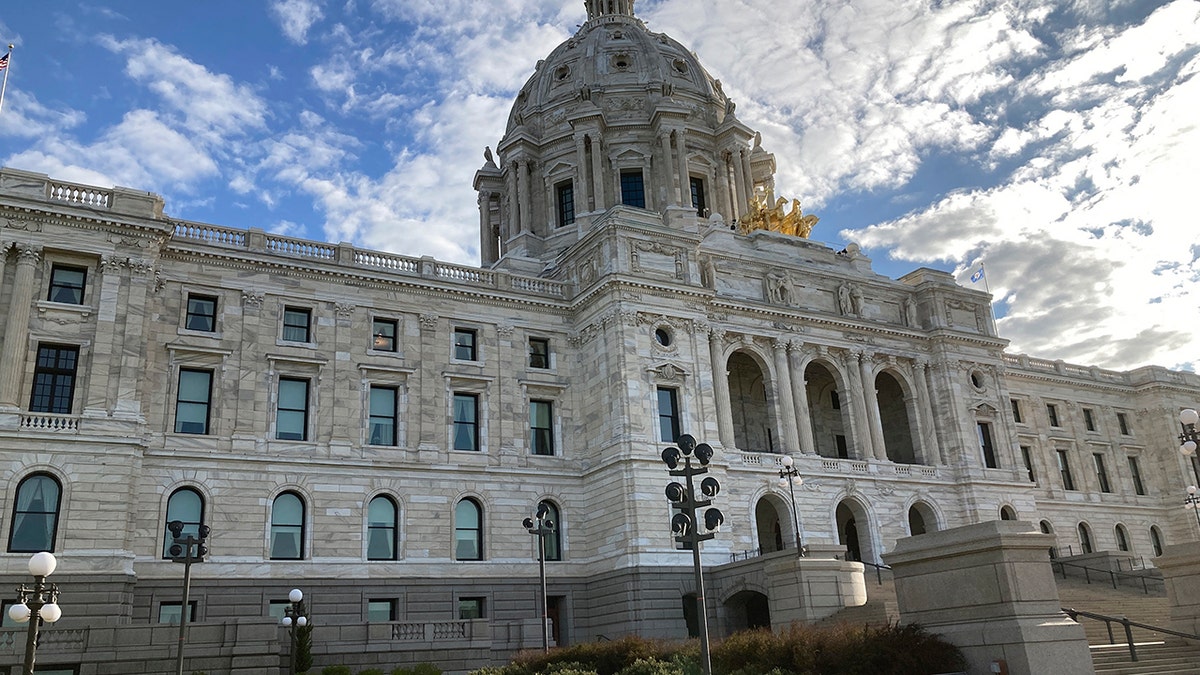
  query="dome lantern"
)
[{"x": 599, "y": 8}]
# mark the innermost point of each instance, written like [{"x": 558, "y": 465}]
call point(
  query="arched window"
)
[
  {"x": 187, "y": 506},
  {"x": 287, "y": 527},
  {"x": 1085, "y": 538},
  {"x": 35, "y": 515},
  {"x": 1156, "y": 540},
  {"x": 381, "y": 529},
  {"x": 468, "y": 530},
  {"x": 1122, "y": 538},
  {"x": 1046, "y": 527},
  {"x": 554, "y": 539},
  {"x": 1007, "y": 513}
]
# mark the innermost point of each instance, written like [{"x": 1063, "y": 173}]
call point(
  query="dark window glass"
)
[
  {"x": 566, "y": 204},
  {"x": 539, "y": 353},
  {"x": 1085, "y": 538},
  {"x": 1016, "y": 409},
  {"x": 470, "y": 608},
  {"x": 1028, "y": 460},
  {"x": 1123, "y": 423},
  {"x": 985, "y": 442},
  {"x": 1136, "y": 472},
  {"x": 67, "y": 284},
  {"x": 668, "y": 415},
  {"x": 835, "y": 401},
  {"x": 381, "y": 610},
  {"x": 633, "y": 190},
  {"x": 843, "y": 449},
  {"x": 464, "y": 344},
  {"x": 54, "y": 379},
  {"x": 468, "y": 531},
  {"x": 382, "y": 427},
  {"x": 168, "y": 612},
  {"x": 35, "y": 515},
  {"x": 1122, "y": 539},
  {"x": 698, "y": 199},
  {"x": 381, "y": 530},
  {"x": 383, "y": 335},
  {"x": 1101, "y": 472},
  {"x": 291, "y": 422},
  {"x": 541, "y": 427},
  {"x": 553, "y": 539},
  {"x": 466, "y": 422},
  {"x": 1089, "y": 419},
  {"x": 1064, "y": 470},
  {"x": 1052, "y": 413},
  {"x": 193, "y": 401},
  {"x": 1156, "y": 541},
  {"x": 287, "y": 527},
  {"x": 296, "y": 324},
  {"x": 187, "y": 506},
  {"x": 201, "y": 313}
]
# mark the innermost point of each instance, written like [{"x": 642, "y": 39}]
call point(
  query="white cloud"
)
[{"x": 296, "y": 17}]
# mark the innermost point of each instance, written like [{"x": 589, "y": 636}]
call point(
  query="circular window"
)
[
  {"x": 662, "y": 336},
  {"x": 680, "y": 66},
  {"x": 561, "y": 73},
  {"x": 977, "y": 380},
  {"x": 622, "y": 62}
]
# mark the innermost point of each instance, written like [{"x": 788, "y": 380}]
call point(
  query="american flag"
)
[{"x": 4, "y": 60}]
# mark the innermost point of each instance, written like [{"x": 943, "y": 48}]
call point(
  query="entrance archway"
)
[
  {"x": 753, "y": 422},
  {"x": 921, "y": 519},
  {"x": 854, "y": 531},
  {"x": 893, "y": 413},
  {"x": 747, "y": 610},
  {"x": 826, "y": 405},
  {"x": 769, "y": 523}
]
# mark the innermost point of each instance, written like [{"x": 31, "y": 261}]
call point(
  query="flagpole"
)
[
  {"x": 7, "y": 67},
  {"x": 986, "y": 286}
]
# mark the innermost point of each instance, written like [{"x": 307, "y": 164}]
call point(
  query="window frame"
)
[
  {"x": 699, "y": 197},
  {"x": 1052, "y": 415},
  {"x": 54, "y": 372},
  {"x": 1027, "y": 459},
  {"x": 189, "y": 526},
  {"x": 1089, "y": 419},
  {"x": 1122, "y": 537},
  {"x": 393, "y": 609},
  {"x": 56, "y": 286},
  {"x": 291, "y": 311},
  {"x": 17, "y": 512},
  {"x": 633, "y": 192},
  {"x": 545, "y": 447},
  {"x": 554, "y": 550},
  {"x": 1135, "y": 472},
  {"x": 206, "y": 403},
  {"x": 1101, "y": 472},
  {"x": 301, "y": 528},
  {"x": 193, "y": 607},
  {"x": 381, "y": 341},
  {"x": 1123, "y": 424},
  {"x": 1064, "y": 469},
  {"x": 458, "y": 347},
  {"x": 477, "y": 530},
  {"x": 480, "y": 604},
  {"x": 279, "y": 409},
  {"x": 393, "y": 418},
  {"x": 391, "y": 530},
  {"x": 189, "y": 315},
  {"x": 987, "y": 445},
  {"x": 1016, "y": 411},
  {"x": 472, "y": 424},
  {"x": 673, "y": 417},
  {"x": 564, "y": 201},
  {"x": 535, "y": 355}
]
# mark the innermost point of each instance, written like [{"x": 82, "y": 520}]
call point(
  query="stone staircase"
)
[{"x": 1158, "y": 654}]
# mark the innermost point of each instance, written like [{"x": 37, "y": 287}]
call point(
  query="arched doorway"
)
[
  {"x": 753, "y": 421},
  {"x": 921, "y": 519},
  {"x": 893, "y": 414},
  {"x": 854, "y": 531},
  {"x": 770, "y": 524},
  {"x": 747, "y": 610},
  {"x": 826, "y": 405}
]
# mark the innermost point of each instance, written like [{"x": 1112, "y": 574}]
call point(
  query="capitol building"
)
[{"x": 373, "y": 428}]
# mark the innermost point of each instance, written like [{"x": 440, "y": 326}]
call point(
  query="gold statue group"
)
[{"x": 774, "y": 218}]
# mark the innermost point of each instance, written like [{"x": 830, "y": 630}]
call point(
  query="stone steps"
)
[{"x": 1169, "y": 658}]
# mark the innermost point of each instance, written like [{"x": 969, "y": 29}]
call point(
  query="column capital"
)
[
  {"x": 780, "y": 344},
  {"x": 252, "y": 299},
  {"x": 28, "y": 254}
]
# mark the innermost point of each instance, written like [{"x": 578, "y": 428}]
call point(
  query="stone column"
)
[
  {"x": 786, "y": 404},
  {"x": 523, "y": 189},
  {"x": 14, "y": 356},
  {"x": 667, "y": 174},
  {"x": 1005, "y": 605},
  {"x": 716, "y": 339},
  {"x": 685, "y": 184},
  {"x": 487, "y": 242},
  {"x": 431, "y": 418},
  {"x": 871, "y": 399},
  {"x": 581, "y": 183},
  {"x": 3, "y": 263},
  {"x": 800, "y": 399},
  {"x": 739, "y": 179},
  {"x": 132, "y": 354},
  {"x": 931, "y": 450},
  {"x": 745, "y": 154},
  {"x": 597, "y": 176},
  {"x": 106, "y": 349},
  {"x": 859, "y": 430},
  {"x": 724, "y": 190},
  {"x": 1180, "y": 567},
  {"x": 513, "y": 226}
]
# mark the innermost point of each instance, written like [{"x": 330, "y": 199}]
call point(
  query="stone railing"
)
[
  {"x": 78, "y": 194},
  {"x": 350, "y": 256},
  {"x": 48, "y": 422}
]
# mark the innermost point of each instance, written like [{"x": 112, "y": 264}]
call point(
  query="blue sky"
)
[{"x": 1057, "y": 143}]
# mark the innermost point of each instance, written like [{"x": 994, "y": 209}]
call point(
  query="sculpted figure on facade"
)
[
  {"x": 908, "y": 311},
  {"x": 856, "y": 300},
  {"x": 779, "y": 288},
  {"x": 843, "y": 298}
]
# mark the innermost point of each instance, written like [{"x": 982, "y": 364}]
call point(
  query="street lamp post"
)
[
  {"x": 294, "y": 618},
  {"x": 1192, "y": 502},
  {"x": 542, "y": 528},
  {"x": 790, "y": 476},
  {"x": 684, "y": 524},
  {"x": 186, "y": 549},
  {"x": 1189, "y": 437},
  {"x": 36, "y": 604}
]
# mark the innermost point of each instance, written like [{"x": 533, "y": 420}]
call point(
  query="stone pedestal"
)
[
  {"x": 989, "y": 590},
  {"x": 1180, "y": 567},
  {"x": 806, "y": 589}
]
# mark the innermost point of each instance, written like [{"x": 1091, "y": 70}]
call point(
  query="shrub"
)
[
  {"x": 371, "y": 671},
  {"x": 336, "y": 670},
  {"x": 419, "y": 669},
  {"x": 651, "y": 667}
]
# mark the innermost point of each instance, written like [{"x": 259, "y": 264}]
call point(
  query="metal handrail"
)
[
  {"x": 1113, "y": 575},
  {"x": 1108, "y": 622}
]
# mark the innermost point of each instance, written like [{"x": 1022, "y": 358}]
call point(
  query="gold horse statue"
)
[{"x": 774, "y": 218}]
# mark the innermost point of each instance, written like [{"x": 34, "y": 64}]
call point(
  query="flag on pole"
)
[
  {"x": 977, "y": 276},
  {"x": 4, "y": 66},
  {"x": 4, "y": 60}
]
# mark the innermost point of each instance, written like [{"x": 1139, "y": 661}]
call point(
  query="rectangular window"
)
[
  {"x": 382, "y": 423},
  {"x": 1089, "y": 419},
  {"x": 668, "y": 415},
  {"x": 539, "y": 353},
  {"x": 168, "y": 612},
  {"x": 466, "y": 422},
  {"x": 470, "y": 608},
  {"x": 464, "y": 344},
  {"x": 843, "y": 449},
  {"x": 1052, "y": 413},
  {"x": 54, "y": 379},
  {"x": 1064, "y": 470},
  {"x": 383, "y": 335},
  {"x": 381, "y": 610},
  {"x": 1123, "y": 423},
  {"x": 1028, "y": 460},
  {"x": 67, "y": 284},
  {"x": 985, "y": 443},
  {"x": 276, "y": 609},
  {"x": 201, "y": 313},
  {"x": 835, "y": 401},
  {"x": 291, "y": 420},
  {"x": 1101, "y": 472},
  {"x": 297, "y": 323},
  {"x": 698, "y": 200},
  {"x": 193, "y": 401},
  {"x": 566, "y": 203},
  {"x": 1016, "y": 409},
  {"x": 7, "y": 621},
  {"x": 1136, "y": 472},
  {"x": 633, "y": 189},
  {"x": 541, "y": 431}
]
